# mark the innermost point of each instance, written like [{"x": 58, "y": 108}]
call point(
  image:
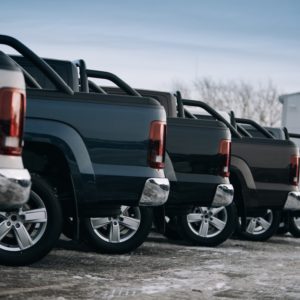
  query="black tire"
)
[
  {"x": 43, "y": 234},
  {"x": 100, "y": 238},
  {"x": 294, "y": 224},
  {"x": 171, "y": 231},
  {"x": 261, "y": 233},
  {"x": 283, "y": 226},
  {"x": 213, "y": 236}
]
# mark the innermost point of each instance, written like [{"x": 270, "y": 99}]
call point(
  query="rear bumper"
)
[
  {"x": 15, "y": 187},
  {"x": 223, "y": 196},
  {"x": 155, "y": 192},
  {"x": 293, "y": 201}
]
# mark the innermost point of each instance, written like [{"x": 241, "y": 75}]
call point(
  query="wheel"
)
[
  {"x": 206, "y": 226},
  {"x": 120, "y": 234},
  {"x": 260, "y": 228},
  {"x": 294, "y": 224},
  {"x": 171, "y": 228},
  {"x": 28, "y": 234}
]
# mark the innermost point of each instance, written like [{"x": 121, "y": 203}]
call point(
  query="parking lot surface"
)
[{"x": 161, "y": 269}]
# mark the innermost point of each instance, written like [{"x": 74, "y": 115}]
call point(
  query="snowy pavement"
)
[{"x": 161, "y": 269}]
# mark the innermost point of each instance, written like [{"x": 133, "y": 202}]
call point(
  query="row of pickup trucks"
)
[{"x": 107, "y": 164}]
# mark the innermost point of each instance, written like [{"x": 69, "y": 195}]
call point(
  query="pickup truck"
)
[
  {"x": 91, "y": 155},
  {"x": 264, "y": 173},
  {"x": 290, "y": 219},
  {"x": 200, "y": 203},
  {"x": 14, "y": 179},
  {"x": 200, "y": 192}
]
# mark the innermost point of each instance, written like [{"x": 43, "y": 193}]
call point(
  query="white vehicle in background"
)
[
  {"x": 291, "y": 113},
  {"x": 15, "y": 181}
]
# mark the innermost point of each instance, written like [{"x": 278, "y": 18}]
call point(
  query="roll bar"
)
[
  {"x": 180, "y": 107},
  {"x": 96, "y": 88},
  {"x": 265, "y": 132},
  {"x": 243, "y": 131},
  {"x": 37, "y": 61},
  {"x": 84, "y": 84},
  {"x": 211, "y": 111},
  {"x": 294, "y": 135},
  {"x": 115, "y": 79}
]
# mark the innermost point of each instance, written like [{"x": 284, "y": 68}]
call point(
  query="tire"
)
[
  {"x": 30, "y": 233},
  {"x": 206, "y": 226},
  {"x": 283, "y": 226},
  {"x": 118, "y": 235},
  {"x": 294, "y": 224},
  {"x": 260, "y": 228},
  {"x": 171, "y": 229}
]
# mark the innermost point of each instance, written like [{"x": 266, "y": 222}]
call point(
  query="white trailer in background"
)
[{"x": 291, "y": 113}]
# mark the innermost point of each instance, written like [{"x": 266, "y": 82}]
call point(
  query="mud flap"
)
[{"x": 159, "y": 219}]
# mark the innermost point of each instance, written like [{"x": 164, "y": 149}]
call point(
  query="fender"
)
[
  {"x": 244, "y": 171},
  {"x": 169, "y": 169},
  {"x": 65, "y": 138}
]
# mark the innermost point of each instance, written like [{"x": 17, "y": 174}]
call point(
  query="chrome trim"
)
[
  {"x": 223, "y": 196},
  {"x": 156, "y": 192},
  {"x": 293, "y": 201},
  {"x": 15, "y": 187}
]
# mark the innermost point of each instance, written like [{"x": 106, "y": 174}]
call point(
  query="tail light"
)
[
  {"x": 12, "y": 112},
  {"x": 157, "y": 145},
  {"x": 224, "y": 152},
  {"x": 294, "y": 170}
]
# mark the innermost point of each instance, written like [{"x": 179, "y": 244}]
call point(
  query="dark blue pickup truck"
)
[
  {"x": 196, "y": 162},
  {"x": 90, "y": 156}
]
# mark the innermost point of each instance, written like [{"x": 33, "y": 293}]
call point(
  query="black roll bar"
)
[
  {"x": 84, "y": 84},
  {"x": 212, "y": 112},
  {"x": 115, "y": 79},
  {"x": 29, "y": 79},
  {"x": 180, "y": 106},
  {"x": 37, "y": 61},
  {"x": 265, "y": 132},
  {"x": 243, "y": 131},
  {"x": 294, "y": 135},
  {"x": 96, "y": 88}
]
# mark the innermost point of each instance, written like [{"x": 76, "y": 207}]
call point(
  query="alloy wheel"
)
[
  {"x": 259, "y": 225},
  {"x": 207, "y": 222},
  {"x": 118, "y": 229},
  {"x": 22, "y": 229}
]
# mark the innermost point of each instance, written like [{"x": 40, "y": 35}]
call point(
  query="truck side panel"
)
[
  {"x": 118, "y": 161},
  {"x": 264, "y": 165},
  {"x": 193, "y": 147}
]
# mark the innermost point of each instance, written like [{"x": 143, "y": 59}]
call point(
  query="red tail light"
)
[
  {"x": 224, "y": 152},
  {"x": 294, "y": 170},
  {"x": 157, "y": 145},
  {"x": 12, "y": 112}
]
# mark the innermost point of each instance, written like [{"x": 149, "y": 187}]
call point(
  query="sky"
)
[{"x": 152, "y": 44}]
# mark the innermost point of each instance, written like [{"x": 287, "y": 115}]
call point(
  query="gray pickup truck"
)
[
  {"x": 290, "y": 220},
  {"x": 200, "y": 195},
  {"x": 14, "y": 179},
  {"x": 91, "y": 156},
  {"x": 200, "y": 204},
  {"x": 264, "y": 173}
]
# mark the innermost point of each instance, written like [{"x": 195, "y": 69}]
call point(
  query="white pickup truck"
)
[{"x": 14, "y": 179}]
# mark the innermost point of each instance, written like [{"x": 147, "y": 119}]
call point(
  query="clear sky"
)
[{"x": 152, "y": 43}]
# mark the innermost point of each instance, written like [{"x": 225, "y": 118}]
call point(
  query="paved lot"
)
[{"x": 162, "y": 270}]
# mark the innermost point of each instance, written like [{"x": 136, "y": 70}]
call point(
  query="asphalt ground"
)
[{"x": 161, "y": 269}]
